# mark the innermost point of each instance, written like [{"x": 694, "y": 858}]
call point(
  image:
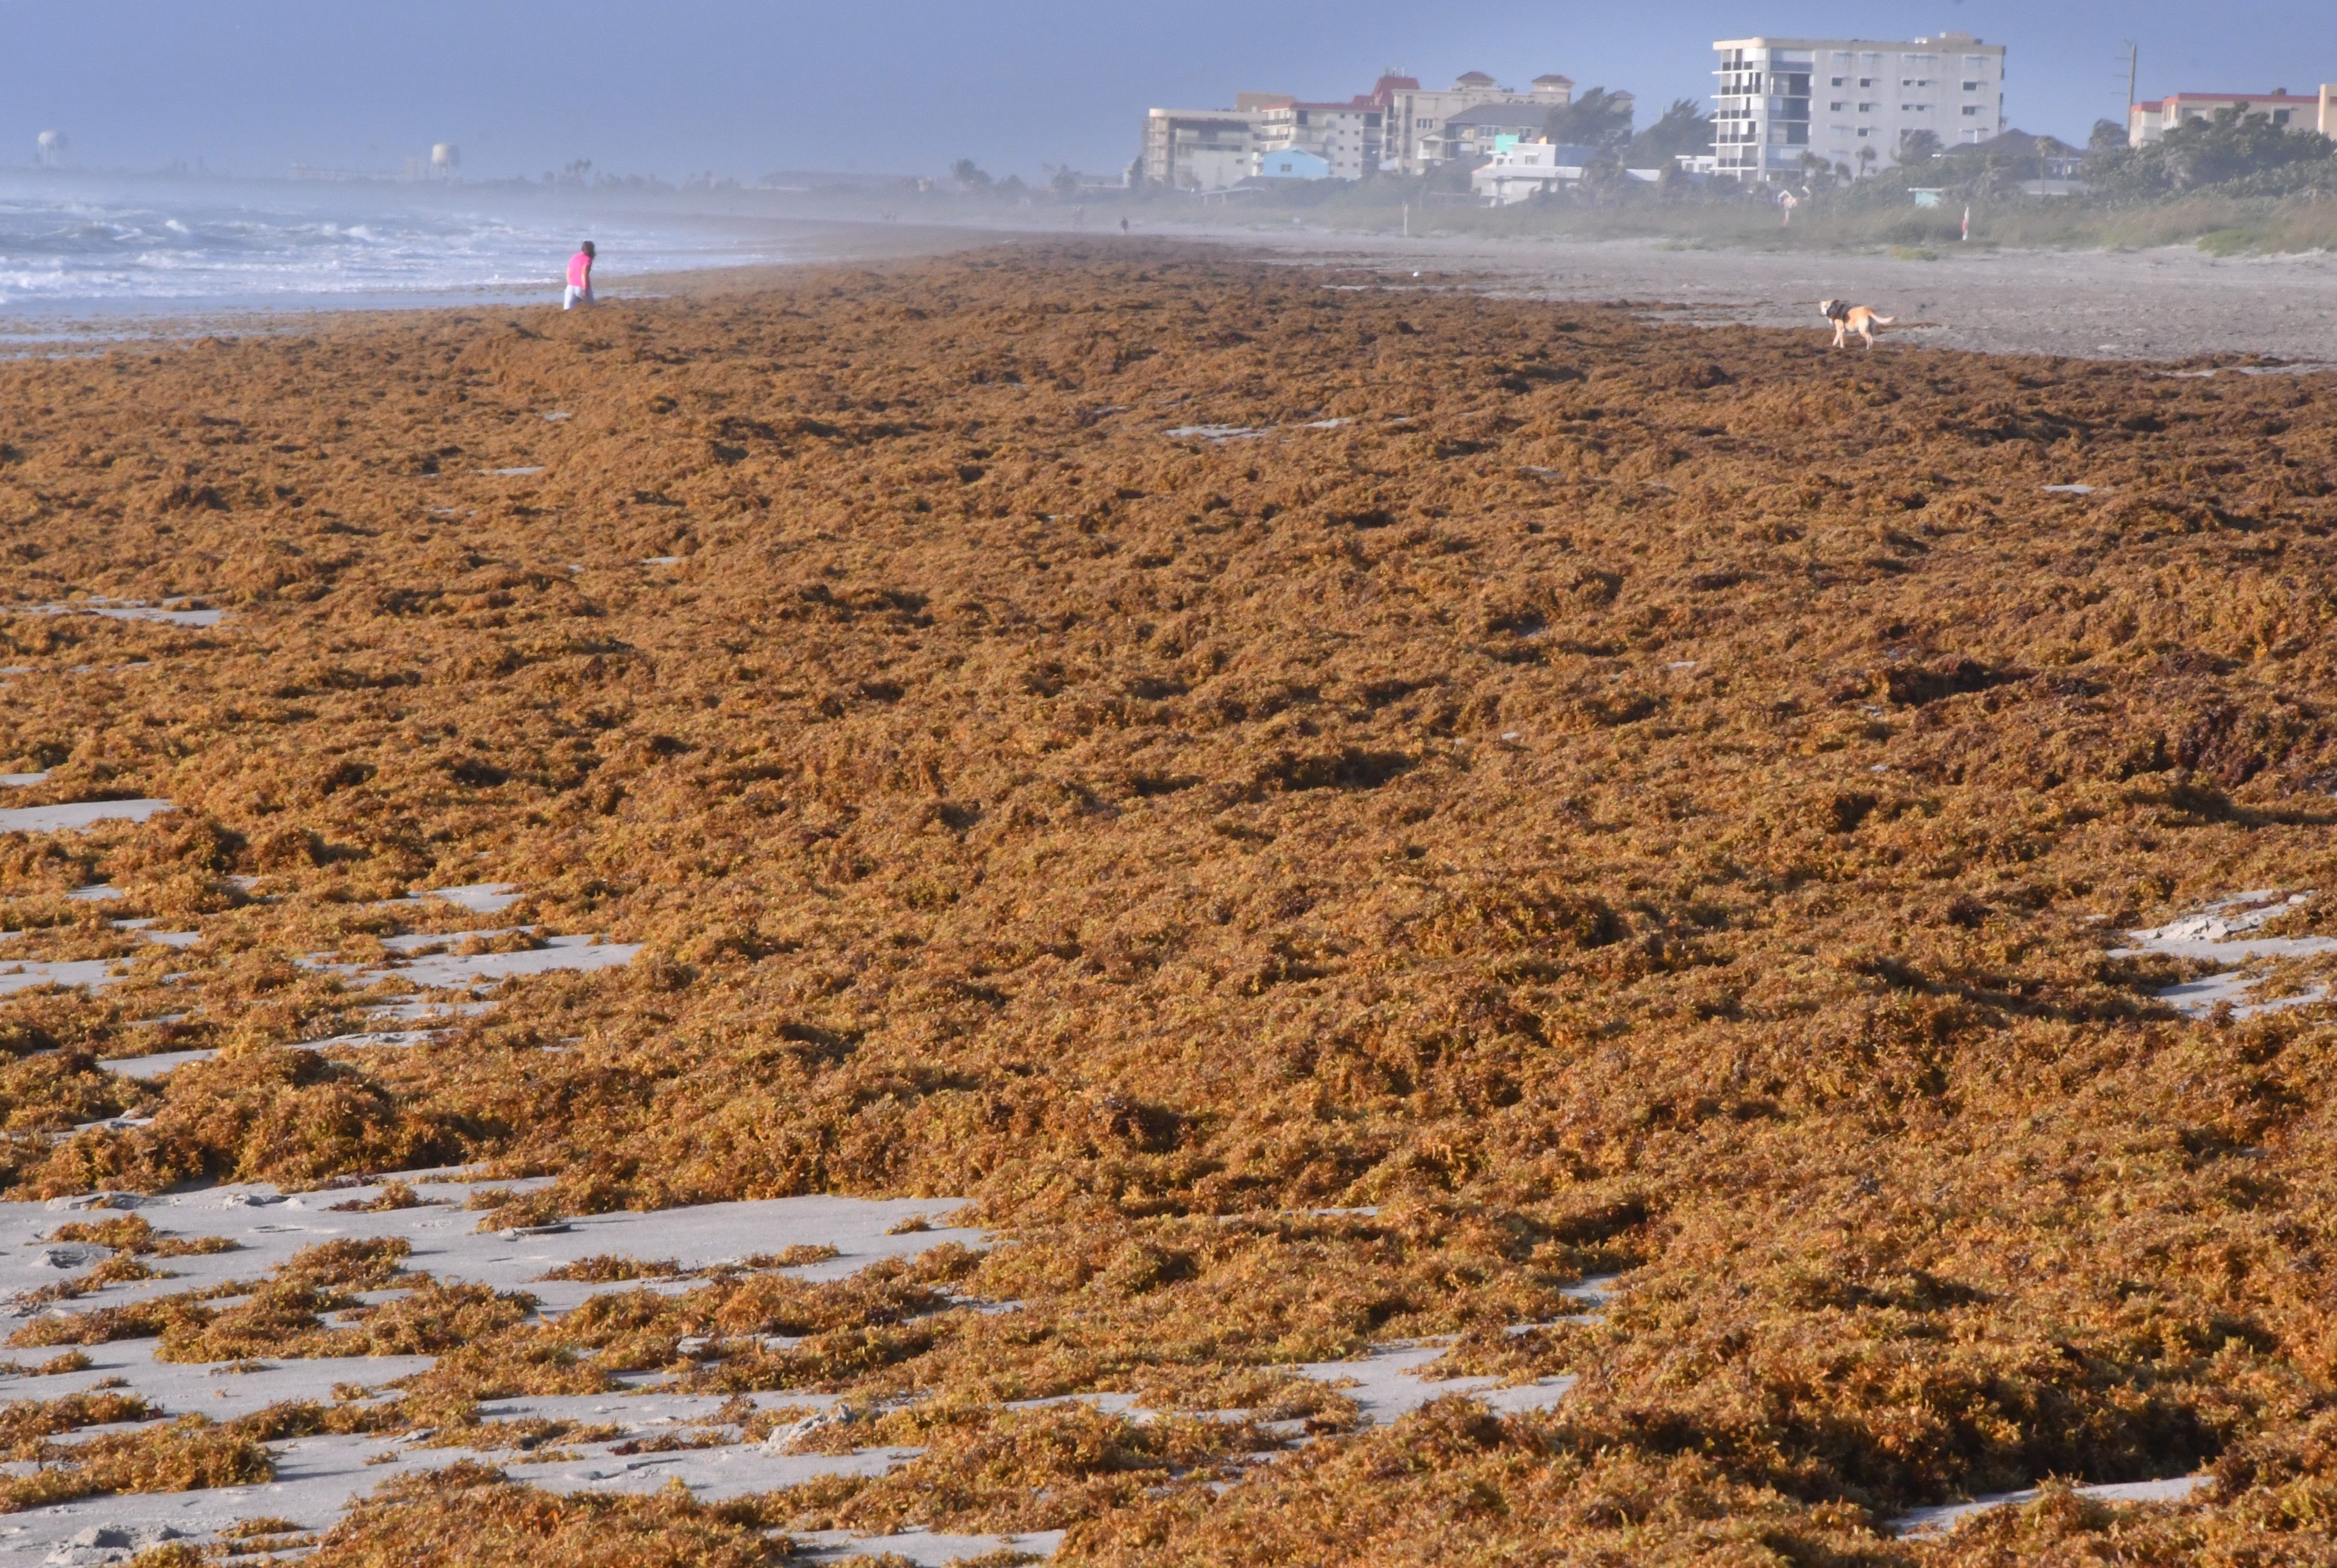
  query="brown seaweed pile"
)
[{"x": 1330, "y": 811}]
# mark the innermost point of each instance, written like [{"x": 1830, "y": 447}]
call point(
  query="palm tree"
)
[
  {"x": 1917, "y": 146},
  {"x": 1684, "y": 128},
  {"x": 1867, "y": 158},
  {"x": 1599, "y": 119}
]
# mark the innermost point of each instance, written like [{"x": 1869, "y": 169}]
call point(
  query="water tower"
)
[
  {"x": 444, "y": 159},
  {"x": 52, "y": 148}
]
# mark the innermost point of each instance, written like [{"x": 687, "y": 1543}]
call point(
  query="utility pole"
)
[{"x": 2133, "y": 58}]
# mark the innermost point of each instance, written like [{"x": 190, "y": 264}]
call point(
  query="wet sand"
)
[{"x": 2165, "y": 304}]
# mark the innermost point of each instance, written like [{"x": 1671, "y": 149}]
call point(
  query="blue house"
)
[{"x": 1293, "y": 163}]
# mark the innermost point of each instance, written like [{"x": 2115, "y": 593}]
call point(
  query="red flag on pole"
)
[{"x": 1967, "y": 223}]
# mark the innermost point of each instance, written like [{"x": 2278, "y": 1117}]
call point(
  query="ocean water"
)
[{"x": 74, "y": 247}]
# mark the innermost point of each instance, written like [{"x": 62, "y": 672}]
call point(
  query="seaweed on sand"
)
[{"x": 1601, "y": 798}]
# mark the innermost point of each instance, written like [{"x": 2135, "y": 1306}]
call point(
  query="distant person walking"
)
[{"x": 579, "y": 278}]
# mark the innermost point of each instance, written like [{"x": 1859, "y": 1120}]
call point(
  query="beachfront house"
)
[
  {"x": 2147, "y": 122},
  {"x": 1783, "y": 99},
  {"x": 1293, "y": 163},
  {"x": 1521, "y": 170}
]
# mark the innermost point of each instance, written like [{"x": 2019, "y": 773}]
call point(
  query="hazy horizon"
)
[{"x": 250, "y": 87}]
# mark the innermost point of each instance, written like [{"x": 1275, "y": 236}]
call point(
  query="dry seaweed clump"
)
[
  {"x": 187, "y": 1454},
  {"x": 470, "y": 1513},
  {"x": 604, "y": 1268},
  {"x": 137, "y": 1237},
  {"x": 1328, "y": 814}
]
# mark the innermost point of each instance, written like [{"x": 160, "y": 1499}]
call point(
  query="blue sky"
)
[{"x": 684, "y": 86}]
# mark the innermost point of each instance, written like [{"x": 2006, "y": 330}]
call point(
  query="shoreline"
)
[
  {"x": 815, "y": 241},
  {"x": 2168, "y": 304}
]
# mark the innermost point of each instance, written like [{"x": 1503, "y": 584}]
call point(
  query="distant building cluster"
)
[
  {"x": 1399, "y": 127},
  {"x": 1784, "y": 109},
  {"x": 1780, "y": 104}
]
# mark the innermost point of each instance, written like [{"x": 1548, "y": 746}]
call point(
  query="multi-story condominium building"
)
[
  {"x": 1199, "y": 148},
  {"x": 1477, "y": 133},
  {"x": 1347, "y": 136},
  {"x": 1782, "y": 99},
  {"x": 1416, "y": 138},
  {"x": 2147, "y": 122}
]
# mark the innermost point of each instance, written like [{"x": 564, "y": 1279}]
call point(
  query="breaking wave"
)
[{"x": 196, "y": 245}]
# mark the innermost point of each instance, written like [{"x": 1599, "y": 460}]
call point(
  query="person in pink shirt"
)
[{"x": 579, "y": 278}]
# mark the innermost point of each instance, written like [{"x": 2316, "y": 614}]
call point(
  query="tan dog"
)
[{"x": 1848, "y": 318}]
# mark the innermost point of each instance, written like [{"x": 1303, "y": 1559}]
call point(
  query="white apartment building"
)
[
  {"x": 1781, "y": 98},
  {"x": 1415, "y": 140},
  {"x": 1346, "y": 136},
  {"x": 1199, "y": 148}
]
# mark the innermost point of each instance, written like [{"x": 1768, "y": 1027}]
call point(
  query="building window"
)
[
  {"x": 2280, "y": 117},
  {"x": 1839, "y": 82},
  {"x": 1868, "y": 108},
  {"x": 1972, "y": 108},
  {"x": 1867, "y": 81},
  {"x": 1836, "y": 108}
]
